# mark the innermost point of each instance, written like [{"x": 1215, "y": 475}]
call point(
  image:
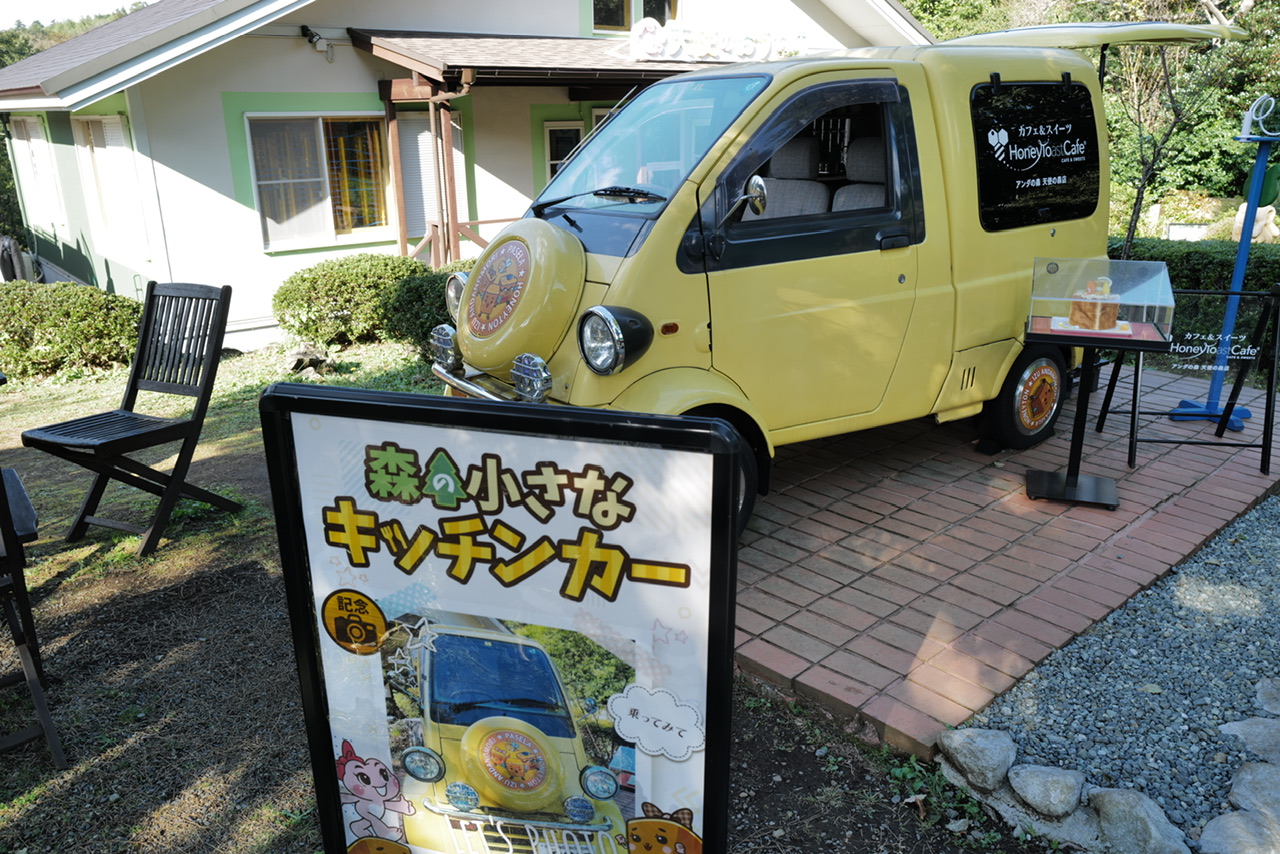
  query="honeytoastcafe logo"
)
[{"x": 1030, "y": 144}]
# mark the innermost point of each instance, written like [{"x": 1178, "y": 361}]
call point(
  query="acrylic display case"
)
[{"x": 1094, "y": 302}]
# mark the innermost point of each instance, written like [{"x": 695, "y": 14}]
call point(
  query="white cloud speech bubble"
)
[{"x": 657, "y": 722}]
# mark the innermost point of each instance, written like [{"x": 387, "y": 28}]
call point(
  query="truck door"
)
[{"x": 811, "y": 300}]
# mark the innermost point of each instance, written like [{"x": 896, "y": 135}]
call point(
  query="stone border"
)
[{"x": 1062, "y": 806}]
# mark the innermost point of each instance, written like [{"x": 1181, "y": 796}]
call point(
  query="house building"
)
[{"x": 238, "y": 141}]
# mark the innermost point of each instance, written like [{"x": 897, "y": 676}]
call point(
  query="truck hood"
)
[{"x": 1103, "y": 33}]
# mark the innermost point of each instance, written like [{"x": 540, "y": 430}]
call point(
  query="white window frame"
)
[
  {"x": 328, "y": 235},
  {"x": 109, "y": 177},
  {"x": 547, "y": 127},
  {"x": 37, "y": 177}
]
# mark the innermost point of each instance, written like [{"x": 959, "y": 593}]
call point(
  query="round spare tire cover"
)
[
  {"x": 522, "y": 296},
  {"x": 513, "y": 764}
]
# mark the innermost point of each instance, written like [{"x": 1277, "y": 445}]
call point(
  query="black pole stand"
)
[{"x": 1073, "y": 486}]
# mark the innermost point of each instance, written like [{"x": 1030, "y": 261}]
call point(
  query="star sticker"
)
[{"x": 661, "y": 633}]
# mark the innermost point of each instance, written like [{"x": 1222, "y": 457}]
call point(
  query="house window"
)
[
  {"x": 36, "y": 177},
  {"x": 318, "y": 178},
  {"x": 109, "y": 176},
  {"x": 612, "y": 14},
  {"x": 617, "y": 14},
  {"x": 661, "y": 11},
  {"x": 562, "y": 138}
]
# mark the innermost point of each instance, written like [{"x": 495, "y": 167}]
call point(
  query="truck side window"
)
[
  {"x": 839, "y": 165},
  {"x": 1036, "y": 153}
]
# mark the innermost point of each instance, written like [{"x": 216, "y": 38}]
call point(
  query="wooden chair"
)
[
  {"x": 179, "y": 345},
  {"x": 18, "y": 527}
]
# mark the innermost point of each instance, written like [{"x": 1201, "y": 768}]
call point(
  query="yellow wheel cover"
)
[
  {"x": 522, "y": 296},
  {"x": 512, "y": 764}
]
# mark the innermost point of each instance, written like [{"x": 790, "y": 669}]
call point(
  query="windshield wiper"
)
[{"x": 630, "y": 194}]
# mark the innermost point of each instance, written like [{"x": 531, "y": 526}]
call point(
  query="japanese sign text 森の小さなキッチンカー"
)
[{"x": 510, "y": 639}]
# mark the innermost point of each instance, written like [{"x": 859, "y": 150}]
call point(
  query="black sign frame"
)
[{"x": 284, "y": 406}]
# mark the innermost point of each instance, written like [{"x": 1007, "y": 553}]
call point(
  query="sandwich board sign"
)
[{"x": 513, "y": 623}]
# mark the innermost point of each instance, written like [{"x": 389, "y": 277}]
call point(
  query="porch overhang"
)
[{"x": 451, "y": 59}]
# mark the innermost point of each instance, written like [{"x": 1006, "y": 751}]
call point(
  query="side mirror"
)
[{"x": 756, "y": 197}]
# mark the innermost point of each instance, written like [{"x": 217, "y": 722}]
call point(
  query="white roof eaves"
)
[{"x": 73, "y": 89}]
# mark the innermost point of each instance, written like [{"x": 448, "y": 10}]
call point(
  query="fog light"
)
[
  {"x": 579, "y": 810},
  {"x": 462, "y": 796},
  {"x": 423, "y": 763},
  {"x": 531, "y": 378},
  {"x": 444, "y": 347},
  {"x": 599, "y": 783}
]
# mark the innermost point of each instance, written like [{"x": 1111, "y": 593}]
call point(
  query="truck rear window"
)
[{"x": 1037, "y": 153}]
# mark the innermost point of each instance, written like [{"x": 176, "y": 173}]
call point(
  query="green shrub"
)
[
  {"x": 415, "y": 306},
  {"x": 338, "y": 301},
  {"x": 47, "y": 328},
  {"x": 1208, "y": 265}
]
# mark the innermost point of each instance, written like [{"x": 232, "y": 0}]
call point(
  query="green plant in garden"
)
[
  {"x": 415, "y": 305},
  {"x": 339, "y": 301},
  {"x": 64, "y": 327}
]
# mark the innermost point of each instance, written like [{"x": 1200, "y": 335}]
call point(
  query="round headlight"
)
[
  {"x": 579, "y": 810},
  {"x": 611, "y": 338},
  {"x": 453, "y": 293},
  {"x": 599, "y": 782},
  {"x": 462, "y": 796},
  {"x": 423, "y": 763}
]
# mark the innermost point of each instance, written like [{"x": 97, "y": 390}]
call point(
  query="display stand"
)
[
  {"x": 1265, "y": 332},
  {"x": 1071, "y": 485},
  {"x": 1091, "y": 304}
]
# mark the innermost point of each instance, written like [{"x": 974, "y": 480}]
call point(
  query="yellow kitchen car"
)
[
  {"x": 810, "y": 246},
  {"x": 500, "y": 767}
]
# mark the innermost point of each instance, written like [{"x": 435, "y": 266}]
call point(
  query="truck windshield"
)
[
  {"x": 477, "y": 678},
  {"x": 639, "y": 158}
]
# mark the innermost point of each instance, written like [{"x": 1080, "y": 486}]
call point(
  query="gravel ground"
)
[{"x": 1136, "y": 701}]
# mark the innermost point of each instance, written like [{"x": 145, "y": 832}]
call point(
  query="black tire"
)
[
  {"x": 1030, "y": 401},
  {"x": 748, "y": 487}
]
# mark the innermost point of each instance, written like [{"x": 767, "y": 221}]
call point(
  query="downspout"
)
[{"x": 444, "y": 178}]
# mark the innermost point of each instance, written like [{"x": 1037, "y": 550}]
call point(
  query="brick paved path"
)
[{"x": 901, "y": 576}]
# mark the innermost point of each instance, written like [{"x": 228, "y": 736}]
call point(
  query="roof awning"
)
[{"x": 516, "y": 60}]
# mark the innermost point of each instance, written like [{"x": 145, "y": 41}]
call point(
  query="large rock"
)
[
  {"x": 1245, "y": 832},
  {"x": 1130, "y": 822},
  {"x": 1269, "y": 695},
  {"x": 983, "y": 756},
  {"x": 1052, "y": 792},
  {"x": 1075, "y": 832},
  {"x": 1257, "y": 787},
  {"x": 1260, "y": 736}
]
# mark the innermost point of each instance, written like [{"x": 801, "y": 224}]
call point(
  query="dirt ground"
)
[{"x": 175, "y": 692}]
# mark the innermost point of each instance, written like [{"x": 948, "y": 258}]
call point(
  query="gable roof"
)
[
  {"x": 115, "y": 56},
  {"x": 128, "y": 50}
]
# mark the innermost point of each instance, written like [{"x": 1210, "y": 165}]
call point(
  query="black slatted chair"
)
[
  {"x": 18, "y": 527},
  {"x": 179, "y": 345}
]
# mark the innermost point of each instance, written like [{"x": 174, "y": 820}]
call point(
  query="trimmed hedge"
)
[
  {"x": 47, "y": 328},
  {"x": 1208, "y": 265},
  {"x": 415, "y": 306},
  {"x": 339, "y": 301}
]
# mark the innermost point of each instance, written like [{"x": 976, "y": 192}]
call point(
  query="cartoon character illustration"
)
[
  {"x": 662, "y": 833},
  {"x": 374, "y": 790}
]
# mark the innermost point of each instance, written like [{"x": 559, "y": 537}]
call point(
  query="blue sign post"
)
[{"x": 1211, "y": 409}]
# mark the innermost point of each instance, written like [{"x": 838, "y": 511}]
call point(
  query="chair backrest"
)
[
  {"x": 790, "y": 187},
  {"x": 864, "y": 165},
  {"x": 179, "y": 340},
  {"x": 17, "y": 523}
]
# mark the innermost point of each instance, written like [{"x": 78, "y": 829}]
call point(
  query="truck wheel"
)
[
  {"x": 1030, "y": 401},
  {"x": 522, "y": 296},
  {"x": 512, "y": 764}
]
